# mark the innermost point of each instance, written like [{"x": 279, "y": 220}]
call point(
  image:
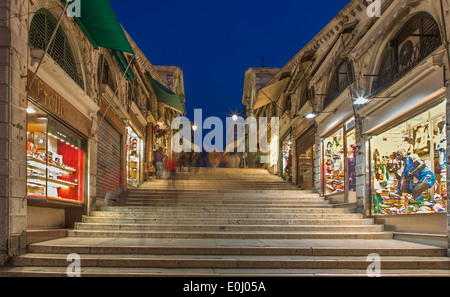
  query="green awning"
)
[
  {"x": 166, "y": 96},
  {"x": 99, "y": 21},
  {"x": 123, "y": 64}
]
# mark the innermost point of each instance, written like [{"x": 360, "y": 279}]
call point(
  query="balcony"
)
[{"x": 405, "y": 63}]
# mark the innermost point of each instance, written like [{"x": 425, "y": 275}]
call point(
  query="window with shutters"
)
[
  {"x": 342, "y": 78},
  {"x": 41, "y": 30},
  {"x": 105, "y": 74},
  {"x": 417, "y": 40}
]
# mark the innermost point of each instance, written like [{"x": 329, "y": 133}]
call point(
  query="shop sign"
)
[{"x": 48, "y": 98}]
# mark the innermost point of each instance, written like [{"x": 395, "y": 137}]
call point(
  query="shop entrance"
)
[
  {"x": 305, "y": 156},
  {"x": 339, "y": 164}
]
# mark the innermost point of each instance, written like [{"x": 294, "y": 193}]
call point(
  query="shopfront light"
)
[
  {"x": 311, "y": 115},
  {"x": 360, "y": 101},
  {"x": 31, "y": 110}
]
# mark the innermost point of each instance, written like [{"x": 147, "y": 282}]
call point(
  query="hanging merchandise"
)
[
  {"x": 408, "y": 166},
  {"x": 334, "y": 163},
  {"x": 287, "y": 158},
  {"x": 134, "y": 154}
]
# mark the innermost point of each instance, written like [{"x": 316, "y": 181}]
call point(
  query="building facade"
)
[
  {"x": 78, "y": 117},
  {"x": 370, "y": 94}
]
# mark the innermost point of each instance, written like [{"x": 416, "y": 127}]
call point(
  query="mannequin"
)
[{"x": 416, "y": 168}]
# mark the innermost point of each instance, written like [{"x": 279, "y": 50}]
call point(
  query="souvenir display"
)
[
  {"x": 134, "y": 147},
  {"x": 409, "y": 168},
  {"x": 334, "y": 164},
  {"x": 55, "y": 161}
]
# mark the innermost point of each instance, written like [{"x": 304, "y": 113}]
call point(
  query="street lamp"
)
[
  {"x": 235, "y": 117},
  {"x": 314, "y": 114},
  {"x": 195, "y": 127},
  {"x": 311, "y": 115},
  {"x": 361, "y": 101}
]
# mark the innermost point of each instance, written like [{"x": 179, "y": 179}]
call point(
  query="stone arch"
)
[
  {"x": 64, "y": 50},
  {"x": 393, "y": 54}
]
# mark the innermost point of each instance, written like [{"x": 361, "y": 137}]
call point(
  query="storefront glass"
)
[
  {"x": 56, "y": 160},
  {"x": 350, "y": 161},
  {"x": 134, "y": 153},
  {"x": 334, "y": 163},
  {"x": 286, "y": 158},
  {"x": 409, "y": 167}
]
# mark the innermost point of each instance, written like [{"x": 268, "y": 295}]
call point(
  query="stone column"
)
[
  {"x": 360, "y": 168},
  {"x": 93, "y": 149},
  {"x": 317, "y": 166},
  {"x": 13, "y": 130}
]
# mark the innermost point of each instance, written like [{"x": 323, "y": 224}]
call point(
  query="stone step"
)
[
  {"x": 151, "y": 210},
  {"x": 225, "y": 196},
  {"x": 181, "y": 203},
  {"x": 231, "y": 261},
  {"x": 227, "y": 228},
  {"x": 231, "y": 235},
  {"x": 49, "y": 248},
  {"x": 126, "y": 220},
  {"x": 228, "y": 215},
  {"x": 125, "y": 272},
  {"x": 219, "y": 208}
]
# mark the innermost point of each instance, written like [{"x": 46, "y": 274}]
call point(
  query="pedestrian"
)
[
  {"x": 172, "y": 168},
  {"x": 159, "y": 160}
]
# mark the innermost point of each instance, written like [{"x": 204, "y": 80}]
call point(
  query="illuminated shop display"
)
[
  {"x": 334, "y": 163},
  {"x": 134, "y": 153},
  {"x": 339, "y": 161},
  {"x": 55, "y": 160},
  {"x": 409, "y": 166},
  {"x": 286, "y": 155}
]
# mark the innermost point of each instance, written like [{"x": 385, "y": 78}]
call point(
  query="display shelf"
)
[
  {"x": 37, "y": 163},
  {"x": 36, "y": 179}
]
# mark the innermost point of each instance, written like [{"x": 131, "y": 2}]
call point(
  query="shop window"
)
[
  {"x": 105, "y": 75},
  {"x": 350, "y": 160},
  {"x": 134, "y": 157},
  {"x": 286, "y": 158},
  {"x": 409, "y": 166},
  {"x": 418, "y": 39},
  {"x": 55, "y": 160},
  {"x": 334, "y": 163},
  {"x": 41, "y": 29}
]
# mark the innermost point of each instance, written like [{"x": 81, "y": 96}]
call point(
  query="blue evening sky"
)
[{"x": 215, "y": 42}]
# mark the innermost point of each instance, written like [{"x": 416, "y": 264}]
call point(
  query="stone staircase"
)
[{"x": 227, "y": 222}]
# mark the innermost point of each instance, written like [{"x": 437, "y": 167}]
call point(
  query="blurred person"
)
[
  {"x": 171, "y": 166},
  {"x": 214, "y": 159},
  {"x": 159, "y": 161}
]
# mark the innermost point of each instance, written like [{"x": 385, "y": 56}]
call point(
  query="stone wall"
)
[{"x": 13, "y": 73}]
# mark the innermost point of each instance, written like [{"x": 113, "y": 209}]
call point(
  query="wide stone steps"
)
[
  {"x": 229, "y": 215},
  {"x": 186, "y": 273},
  {"x": 203, "y": 258},
  {"x": 233, "y": 234},
  {"x": 268, "y": 248},
  {"x": 231, "y": 261},
  {"x": 228, "y": 228},
  {"x": 227, "y": 222},
  {"x": 217, "y": 221}
]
